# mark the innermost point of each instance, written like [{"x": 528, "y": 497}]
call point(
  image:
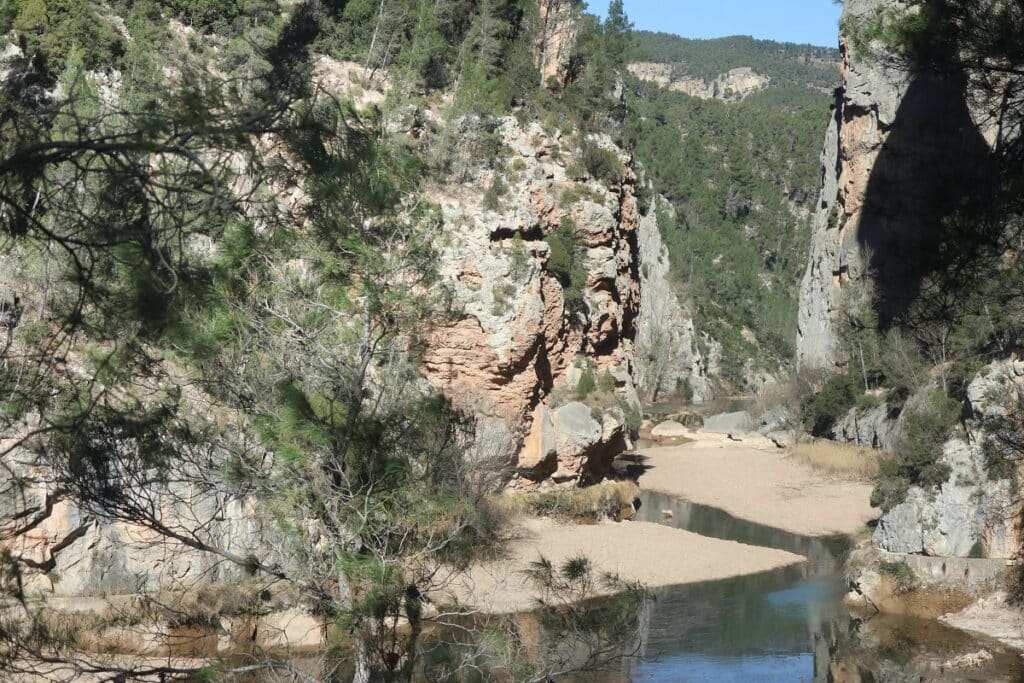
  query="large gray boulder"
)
[
  {"x": 730, "y": 423},
  {"x": 576, "y": 430},
  {"x": 669, "y": 429}
]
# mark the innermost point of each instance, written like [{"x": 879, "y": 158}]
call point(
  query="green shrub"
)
[
  {"x": 56, "y": 30},
  {"x": 606, "y": 381},
  {"x": 866, "y": 402},
  {"x": 902, "y": 575},
  {"x": 840, "y": 393},
  {"x": 977, "y": 550},
  {"x": 587, "y": 384},
  {"x": 684, "y": 388},
  {"x": 602, "y": 164},
  {"x": 564, "y": 263},
  {"x": 1014, "y": 585},
  {"x": 891, "y": 486},
  {"x": 519, "y": 258},
  {"x": 495, "y": 191},
  {"x": 502, "y": 298},
  {"x": 578, "y": 192},
  {"x": 917, "y": 461},
  {"x": 633, "y": 416},
  {"x": 926, "y": 429}
]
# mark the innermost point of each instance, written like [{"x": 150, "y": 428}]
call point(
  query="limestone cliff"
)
[
  {"x": 511, "y": 356},
  {"x": 864, "y": 115},
  {"x": 894, "y": 160},
  {"x": 970, "y": 511},
  {"x": 732, "y": 86},
  {"x": 516, "y": 352},
  {"x": 903, "y": 150},
  {"x": 667, "y": 355}
]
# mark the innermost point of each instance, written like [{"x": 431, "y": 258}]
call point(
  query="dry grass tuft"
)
[
  {"x": 842, "y": 460},
  {"x": 607, "y": 500}
]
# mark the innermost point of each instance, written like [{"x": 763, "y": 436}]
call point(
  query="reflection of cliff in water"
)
[
  {"x": 907, "y": 649},
  {"x": 790, "y": 624}
]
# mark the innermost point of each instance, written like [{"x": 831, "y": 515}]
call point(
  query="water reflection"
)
[{"x": 789, "y": 624}]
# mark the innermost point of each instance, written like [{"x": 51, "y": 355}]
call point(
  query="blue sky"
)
[{"x": 796, "y": 21}]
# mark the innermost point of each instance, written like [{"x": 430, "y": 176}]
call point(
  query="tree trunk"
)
[{"x": 363, "y": 672}]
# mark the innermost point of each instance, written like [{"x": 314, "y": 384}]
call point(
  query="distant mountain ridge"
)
[
  {"x": 743, "y": 119},
  {"x": 782, "y": 63}
]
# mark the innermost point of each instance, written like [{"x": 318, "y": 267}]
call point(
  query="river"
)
[{"x": 790, "y": 624}]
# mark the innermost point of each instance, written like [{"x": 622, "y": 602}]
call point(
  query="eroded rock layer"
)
[{"x": 515, "y": 355}]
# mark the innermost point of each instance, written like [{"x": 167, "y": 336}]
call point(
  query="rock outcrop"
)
[
  {"x": 903, "y": 150},
  {"x": 559, "y": 27},
  {"x": 512, "y": 357},
  {"x": 517, "y": 351},
  {"x": 877, "y": 427},
  {"x": 732, "y": 86},
  {"x": 739, "y": 422},
  {"x": 970, "y": 513},
  {"x": 667, "y": 357}
]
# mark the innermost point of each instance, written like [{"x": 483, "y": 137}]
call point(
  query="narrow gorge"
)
[{"x": 445, "y": 340}]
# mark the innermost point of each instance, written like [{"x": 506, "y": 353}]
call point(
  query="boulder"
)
[
  {"x": 576, "y": 430},
  {"x": 539, "y": 457},
  {"x": 670, "y": 429},
  {"x": 782, "y": 439},
  {"x": 730, "y": 423},
  {"x": 777, "y": 419}
]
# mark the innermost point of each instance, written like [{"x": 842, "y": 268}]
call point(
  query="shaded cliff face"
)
[
  {"x": 909, "y": 176},
  {"x": 902, "y": 153},
  {"x": 667, "y": 355}
]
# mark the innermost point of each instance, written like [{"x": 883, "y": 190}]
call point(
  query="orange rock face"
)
[{"x": 516, "y": 352}]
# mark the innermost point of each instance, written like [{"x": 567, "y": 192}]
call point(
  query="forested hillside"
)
[
  {"x": 807, "y": 65},
  {"x": 743, "y": 178}
]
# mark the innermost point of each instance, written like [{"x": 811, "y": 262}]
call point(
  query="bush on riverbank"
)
[
  {"x": 918, "y": 459},
  {"x": 820, "y": 411},
  {"x": 903, "y": 577}
]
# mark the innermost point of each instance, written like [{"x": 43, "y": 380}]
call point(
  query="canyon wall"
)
[
  {"x": 514, "y": 354},
  {"x": 864, "y": 115},
  {"x": 903, "y": 152},
  {"x": 517, "y": 352}
]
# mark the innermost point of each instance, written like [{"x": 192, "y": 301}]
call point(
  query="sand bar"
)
[
  {"x": 652, "y": 554},
  {"x": 754, "y": 480}
]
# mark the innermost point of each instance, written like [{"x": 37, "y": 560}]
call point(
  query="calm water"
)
[
  {"x": 783, "y": 625},
  {"x": 789, "y": 624}
]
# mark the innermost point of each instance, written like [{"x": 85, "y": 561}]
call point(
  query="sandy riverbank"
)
[
  {"x": 754, "y": 480},
  {"x": 751, "y": 479}
]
